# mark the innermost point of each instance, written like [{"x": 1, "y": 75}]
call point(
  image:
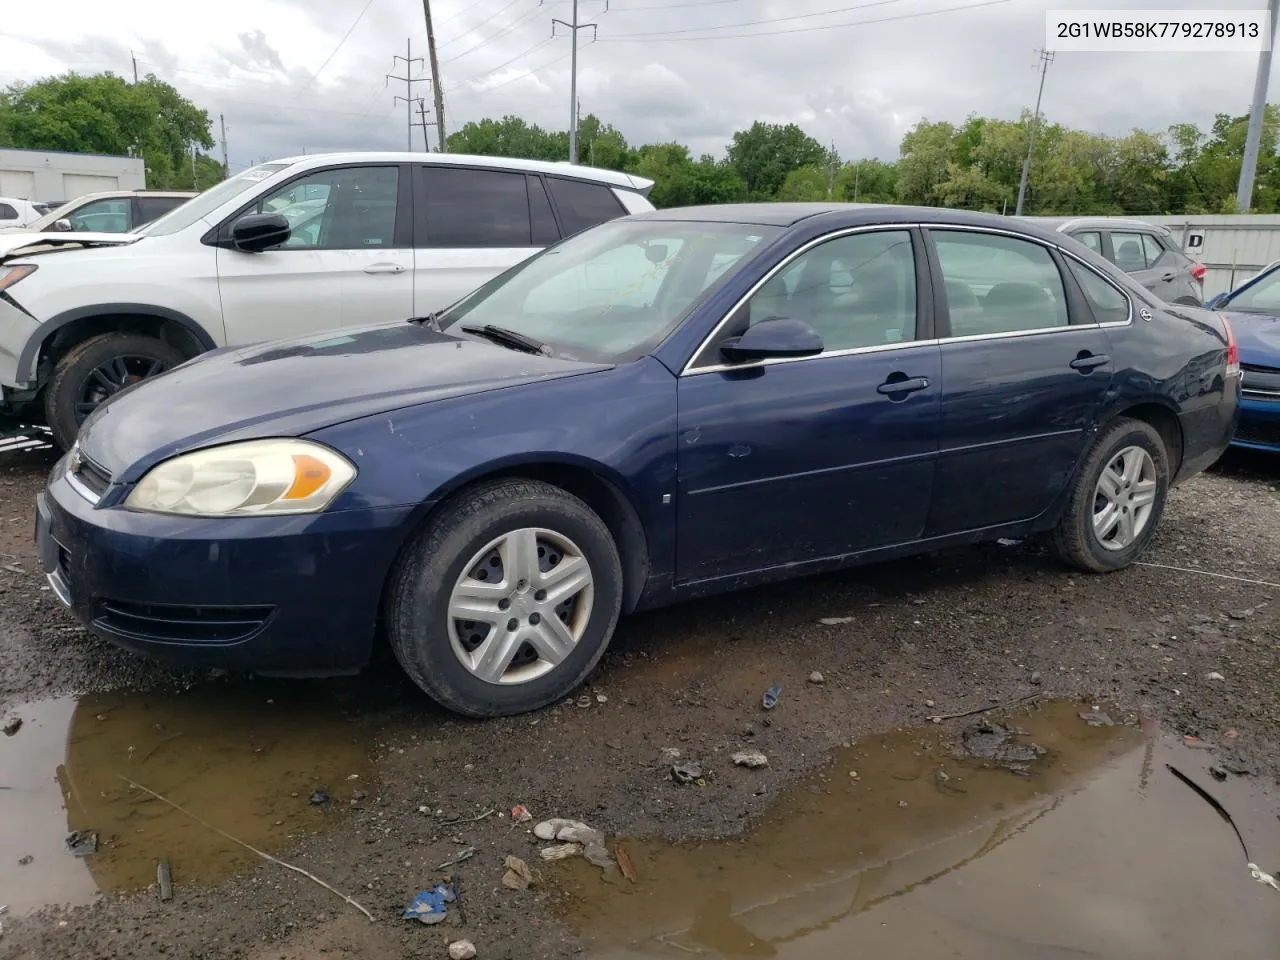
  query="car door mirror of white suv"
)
[{"x": 255, "y": 232}]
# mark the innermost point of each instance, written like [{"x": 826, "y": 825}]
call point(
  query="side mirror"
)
[
  {"x": 61, "y": 226},
  {"x": 770, "y": 339},
  {"x": 255, "y": 232},
  {"x": 1218, "y": 302}
]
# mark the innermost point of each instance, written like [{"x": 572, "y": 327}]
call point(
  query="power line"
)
[
  {"x": 761, "y": 23},
  {"x": 501, "y": 33},
  {"x": 674, "y": 6},
  {"x": 518, "y": 76},
  {"x": 650, "y": 38},
  {"x": 487, "y": 20},
  {"x": 355, "y": 23},
  {"x": 488, "y": 73}
]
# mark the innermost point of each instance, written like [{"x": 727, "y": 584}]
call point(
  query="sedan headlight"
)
[{"x": 256, "y": 478}]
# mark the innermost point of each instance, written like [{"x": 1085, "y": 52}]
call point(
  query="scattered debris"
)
[
  {"x": 601, "y": 698},
  {"x": 584, "y": 702},
  {"x": 1006, "y": 542},
  {"x": 82, "y": 843},
  {"x": 518, "y": 875},
  {"x": 561, "y": 851},
  {"x": 929, "y": 704},
  {"x": 1096, "y": 718},
  {"x": 1254, "y": 871},
  {"x": 817, "y": 678},
  {"x": 992, "y": 741},
  {"x": 1231, "y": 734},
  {"x": 671, "y": 753},
  {"x": 26, "y": 860},
  {"x": 624, "y": 862},
  {"x": 550, "y": 829},
  {"x": 462, "y": 856},
  {"x": 1036, "y": 679},
  {"x": 686, "y": 772},
  {"x": 430, "y": 906},
  {"x": 998, "y": 706},
  {"x": 164, "y": 879},
  {"x": 1214, "y": 675},
  {"x": 942, "y": 776},
  {"x": 520, "y": 813},
  {"x": 1218, "y": 773},
  {"x": 902, "y": 804},
  {"x": 752, "y": 759},
  {"x": 597, "y": 855},
  {"x": 770, "y": 698},
  {"x": 455, "y": 881},
  {"x": 1241, "y": 614},
  {"x": 462, "y": 950},
  {"x": 853, "y": 774},
  {"x": 835, "y": 621},
  {"x": 226, "y": 836},
  {"x": 12, "y": 726},
  {"x": 319, "y": 797}
]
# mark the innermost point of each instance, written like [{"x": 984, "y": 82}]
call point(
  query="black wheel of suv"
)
[
  {"x": 99, "y": 368},
  {"x": 1117, "y": 500},
  {"x": 507, "y": 600}
]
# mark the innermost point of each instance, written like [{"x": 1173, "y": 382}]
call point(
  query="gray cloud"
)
[{"x": 260, "y": 52}]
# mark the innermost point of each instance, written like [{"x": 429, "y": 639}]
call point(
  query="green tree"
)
[
  {"x": 104, "y": 114},
  {"x": 922, "y": 164},
  {"x": 767, "y": 152},
  {"x": 509, "y": 137},
  {"x": 602, "y": 145}
]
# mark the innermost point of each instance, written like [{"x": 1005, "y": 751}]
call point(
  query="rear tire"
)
[
  {"x": 540, "y": 577},
  {"x": 74, "y": 391},
  {"x": 1117, "y": 499}
]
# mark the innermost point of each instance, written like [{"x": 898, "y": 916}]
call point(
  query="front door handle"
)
[
  {"x": 905, "y": 385},
  {"x": 1166, "y": 277},
  {"x": 1088, "y": 362},
  {"x": 384, "y": 268}
]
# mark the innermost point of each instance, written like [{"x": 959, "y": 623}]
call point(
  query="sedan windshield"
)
[
  {"x": 1261, "y": 297},
  {"x": 611, "y": 293}
]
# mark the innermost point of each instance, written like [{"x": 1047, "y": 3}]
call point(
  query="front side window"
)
[
  {"x": 103, "y": 216},
  {"x": 613, "y": 293},
  {"x": 474, "y": 208},
  {"x": 997, "y": 284},
  {"x": 855, "y": 291},
  {"x": 583, "y": 205},
  {"x": 349, "y": 208}
]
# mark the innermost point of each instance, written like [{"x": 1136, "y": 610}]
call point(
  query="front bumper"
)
[
  {"x": 1259, "y": 425},
  {"x": 294, "y": 595}
]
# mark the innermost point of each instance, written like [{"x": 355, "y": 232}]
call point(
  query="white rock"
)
[
  {"x": 835, "y": 621},
  {"x": 580, "y": 833},
  {"x": 550, "y": 829},
  {"x": 817, "y": 677},
  {"x": 462, "y": 950},
  {"x": 752, "y": 759},
  {"x": 1215, "y": 675},
  {"x": 561, "y": 852}
]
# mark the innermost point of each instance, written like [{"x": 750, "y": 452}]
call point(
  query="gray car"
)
[{"x": 1145, "y": 251}]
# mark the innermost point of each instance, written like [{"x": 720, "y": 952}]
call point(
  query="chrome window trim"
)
[{"x": 690, "y": 371}]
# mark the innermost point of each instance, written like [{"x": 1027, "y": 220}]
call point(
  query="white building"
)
[{"x": 51, "y": 176}]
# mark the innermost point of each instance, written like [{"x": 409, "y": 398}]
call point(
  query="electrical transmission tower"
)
[
  {"x": 408, "y": 81},
  {"x": 573, "y": 29}
]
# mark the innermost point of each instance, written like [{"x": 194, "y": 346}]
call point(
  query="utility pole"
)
[
  {"x": 423, "y": 122},
  {"x": 195, "y": 184},
  {"x": 436, "y": 89},
  {"x": 573, "y": 28},
  {"x": 226, "y": 167},
  {"x": 1249, "y": 166},
  {"x": 832, "y": 161},
  {"x": 135, "y": 66},
  {"x": 1046, "y": 58},
  {"x": 857, "y": 169},
  {"x": 409, "y": 60}
]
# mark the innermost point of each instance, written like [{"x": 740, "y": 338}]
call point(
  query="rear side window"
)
[
  {"x": 1131, "y": 251},
  {"x": 474, "y": 208},
  {"x": 583, "y": 205},
  {"x": 1091, "y": 239},
  {"x": 152, "y": 208},
  {"x": 7, "y": 212},
  {"x": 998, "y": 284},
  {"x": 1109, "y": 305},
  {"x": 545, "y": 231}
]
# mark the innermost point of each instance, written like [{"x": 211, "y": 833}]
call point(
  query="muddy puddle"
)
[
  {"x": 248, "y": 758},
  {"x": 1060, "y": 840}
]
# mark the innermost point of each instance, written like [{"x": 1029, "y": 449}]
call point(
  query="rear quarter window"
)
[{"x": 582, "y": 205}]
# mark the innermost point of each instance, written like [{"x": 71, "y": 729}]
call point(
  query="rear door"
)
[
  {"x": 783, "y": 462},
  {"x": 472, "y": 224},
  {"x": 348, "y": 260},
  {"x": 1025, "y": 368}
]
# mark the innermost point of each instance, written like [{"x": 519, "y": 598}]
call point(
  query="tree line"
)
[{"x": 974, "y": 165}]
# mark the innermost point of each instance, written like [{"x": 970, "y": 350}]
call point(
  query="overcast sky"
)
[{"x": 287, "y": 81}]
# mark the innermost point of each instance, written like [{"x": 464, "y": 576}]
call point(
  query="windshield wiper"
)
[
  {"x": 509, "y": 338},
  {"x": 431, "y": 321}
]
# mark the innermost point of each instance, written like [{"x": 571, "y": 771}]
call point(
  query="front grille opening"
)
[{"x": 165, "y": 623}]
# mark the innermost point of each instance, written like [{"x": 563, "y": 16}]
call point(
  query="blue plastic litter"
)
[
  {"x": 771, "y": 696},
  {"x": 429, "y": 906}
]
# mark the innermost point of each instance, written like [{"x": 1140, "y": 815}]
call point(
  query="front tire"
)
[
  {"x": 97, "y": 369},
  {"x": 1117, "y": 499},
  {"x": 506, "y": 601}
]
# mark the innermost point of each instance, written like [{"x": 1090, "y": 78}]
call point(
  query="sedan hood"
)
[
  {"x": 293, "y": 387},
  {"x": 1258, "y": 336}
]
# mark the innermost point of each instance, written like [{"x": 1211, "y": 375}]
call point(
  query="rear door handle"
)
[
  {"x": 904, "y": 386},
  {"x": 1168, "y": 276},
  {"x": 384, "y": 268},
  {"x": 1089, "y": 361}
]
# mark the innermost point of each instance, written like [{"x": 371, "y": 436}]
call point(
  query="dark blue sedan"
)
[
  {"x": 1253, "y": 310},
  {"x": 664, "y": 406}
]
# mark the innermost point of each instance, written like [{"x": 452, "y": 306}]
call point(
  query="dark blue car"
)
[
  {"x": 661, "y": 407},
  {"x": 1253, "y": 310}
]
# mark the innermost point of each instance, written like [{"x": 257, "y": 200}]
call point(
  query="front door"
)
[
  {"x": 1025, "y": 370},
  {"x": 782, "y": 462},
  {"x": 348, "y": 260}
]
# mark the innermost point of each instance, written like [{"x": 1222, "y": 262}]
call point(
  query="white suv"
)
[{"x": 294, "y": 246}]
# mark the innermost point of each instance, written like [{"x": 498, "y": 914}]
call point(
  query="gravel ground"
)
[{"x": 941, "y": 634}]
